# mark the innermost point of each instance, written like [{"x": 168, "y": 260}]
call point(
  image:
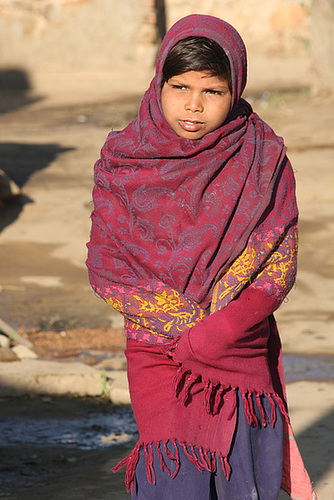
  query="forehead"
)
[{"x": 200, "y": 77}]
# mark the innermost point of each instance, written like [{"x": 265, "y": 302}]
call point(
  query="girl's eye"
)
[
  {"x": 178, "y": 87},
  {"x": 214, "y": 92}
]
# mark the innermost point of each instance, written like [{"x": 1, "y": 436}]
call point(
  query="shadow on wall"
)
[
  {"x": 18, "y": 163},
  {"x": 161, "y": 18},
  {"x": 14, "y": 90}
]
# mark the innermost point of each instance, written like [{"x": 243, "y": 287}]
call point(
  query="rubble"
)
[
  {"x": 23, "y": 373},
  {"x": 8, "y": 189}
]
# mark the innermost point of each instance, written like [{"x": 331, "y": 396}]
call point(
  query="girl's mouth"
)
[{"x": 190, "y": 126}]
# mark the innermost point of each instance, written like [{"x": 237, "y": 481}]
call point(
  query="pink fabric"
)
[{"x": 295, "y": 479}]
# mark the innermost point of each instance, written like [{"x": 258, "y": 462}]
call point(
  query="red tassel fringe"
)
[
  {"x": 131, "y": 462},
  {"x": 175, "y": 458},
  {"x": 264, "y": 417},
  {"x": 214, "y": 395},
  {"x": 183, "y": 383},
  {"x": 203, "y": 459}
]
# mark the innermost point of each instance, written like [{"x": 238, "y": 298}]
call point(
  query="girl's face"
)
[{"x": 195, "y": 103}]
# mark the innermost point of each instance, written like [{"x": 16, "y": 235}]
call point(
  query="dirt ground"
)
[{"x": 49, "y": 151}]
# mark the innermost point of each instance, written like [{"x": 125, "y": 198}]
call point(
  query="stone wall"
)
[
  {"x": 76, "y": 34},
  {"x": 277, "y": 34},
  {"x": 73, "y": 45},
  {"x": 270, "y": 28},
  {"x": 65, "y": 43}
]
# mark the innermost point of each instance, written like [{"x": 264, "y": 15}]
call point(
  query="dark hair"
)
[{"x": 197, "y": 53}]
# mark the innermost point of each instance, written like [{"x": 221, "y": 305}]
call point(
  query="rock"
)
[
  {"x": 13, "y": 334},
  {"x": 8, "y": 188},
  {"x": 7, "y": 354},
  {"x": 4, "y": 341},
  {"x": 118, "y": 387},
  {"x": 24, "y": 352},
  {"x": 33, "y": 376}
]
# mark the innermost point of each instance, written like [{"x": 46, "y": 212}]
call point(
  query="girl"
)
[{"x": 194, "y": 241}]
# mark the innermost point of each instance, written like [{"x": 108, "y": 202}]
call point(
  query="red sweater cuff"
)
[{"x": 230, "y": 328}]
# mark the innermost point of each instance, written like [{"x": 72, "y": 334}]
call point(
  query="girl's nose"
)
[{"x": 194, "y": 103}]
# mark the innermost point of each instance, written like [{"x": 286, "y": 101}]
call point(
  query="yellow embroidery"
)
[
  {"x": 235, "y": 278},
  {"x": 253, "y": 263},
  {"x": 271, "y": 263},
  {"x": 115, "y": 304},
  {"x": 161, "y": 312},
  {"x": 280, "y": 269}
]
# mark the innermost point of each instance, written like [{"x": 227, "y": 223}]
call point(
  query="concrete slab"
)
[
  {"x": 118, "y": 387},
  {"x": 49, "y": 377},
  {"x": 35, "y": 376},
  {"x": 23, "y": 352}
]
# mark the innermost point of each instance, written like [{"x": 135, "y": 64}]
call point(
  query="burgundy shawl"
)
[{"x": 194, "y": 242}]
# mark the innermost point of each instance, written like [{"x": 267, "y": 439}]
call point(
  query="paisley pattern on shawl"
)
[{"x": 172, "y": 217}]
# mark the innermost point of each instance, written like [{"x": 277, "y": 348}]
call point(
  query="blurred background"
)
[
  {"x": 70, "y": 71},
  {"x": 72, "y": 49}
]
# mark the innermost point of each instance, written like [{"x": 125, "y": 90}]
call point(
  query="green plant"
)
[{"x": 105, "y": 385}]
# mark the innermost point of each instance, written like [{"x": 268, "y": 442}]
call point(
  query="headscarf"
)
[{"x": 171, "y": 214}]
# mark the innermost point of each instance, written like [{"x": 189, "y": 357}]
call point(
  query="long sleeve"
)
[{"x": 241, "y": 325}]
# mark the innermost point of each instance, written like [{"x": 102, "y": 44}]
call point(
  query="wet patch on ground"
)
[
  {"x": 54, "y": 436},
  {"x": 317, "y": 368}
]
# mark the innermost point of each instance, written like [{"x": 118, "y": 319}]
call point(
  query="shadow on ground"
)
[
  {"x": 20, "y": 161},
  {"x": 67, "y": 472}
]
